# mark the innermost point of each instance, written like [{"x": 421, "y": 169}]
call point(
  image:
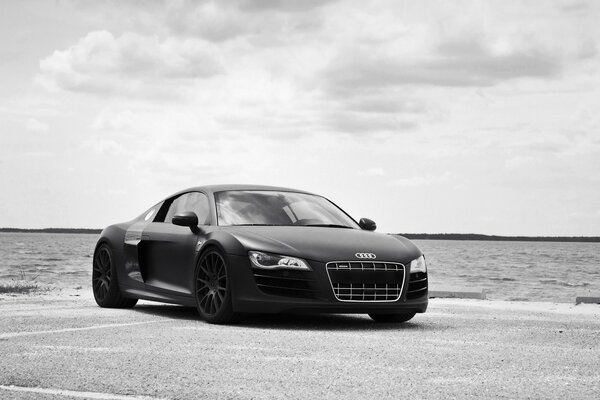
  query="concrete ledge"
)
[
  {"x": 458, "y": 293},
  {"x": 587, "y": 300}
]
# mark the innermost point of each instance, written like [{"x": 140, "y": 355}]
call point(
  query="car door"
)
[{"x": 167, "y": 250}]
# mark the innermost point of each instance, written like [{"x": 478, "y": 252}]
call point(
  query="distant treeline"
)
[
  {"x": 424, "y": 236},
  {"x": 52, "y": 230},
  {"x": 476, "y": 236}
]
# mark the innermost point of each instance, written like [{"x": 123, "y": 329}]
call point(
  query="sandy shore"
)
[{"x": 61, "y": 345}]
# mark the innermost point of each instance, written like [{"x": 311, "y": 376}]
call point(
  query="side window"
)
[
  {"x": 193, "y": 201},
  {"x": 150, "y": 214}
]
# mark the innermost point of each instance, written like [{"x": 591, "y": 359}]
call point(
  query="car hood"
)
[{"x": 325, "y": 244}]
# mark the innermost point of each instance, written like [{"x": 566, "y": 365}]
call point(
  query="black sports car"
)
[{"x": 232, "y": 249}]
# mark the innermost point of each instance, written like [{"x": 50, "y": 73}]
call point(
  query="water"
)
[
  {"x": 61, "y": 260},
  {"x": 536, "y": 271}
]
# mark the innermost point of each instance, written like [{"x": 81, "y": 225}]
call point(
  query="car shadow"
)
[
  {"x": 169, "y": 311},
  {"x": 305, "y": 322},
  {"x": 322, "y": 322}
]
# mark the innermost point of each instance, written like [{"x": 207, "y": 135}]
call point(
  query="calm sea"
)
[{"x": 536, "y": 271}]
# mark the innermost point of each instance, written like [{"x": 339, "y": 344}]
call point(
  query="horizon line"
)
[{"x": 424, "y": 236}]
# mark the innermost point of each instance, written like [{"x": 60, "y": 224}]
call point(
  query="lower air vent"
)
[
  {"x": 417, "y": 285},
  {"x": 284, "y": 283}
]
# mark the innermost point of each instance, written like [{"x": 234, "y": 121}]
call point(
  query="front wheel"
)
[
  {"x": 398, "y": 318},
  {"x": 104, "y": 281},
  {"x": 213, "y": 289}
]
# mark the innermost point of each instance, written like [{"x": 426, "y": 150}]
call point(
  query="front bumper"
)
[{"x": 312, "y": 293}]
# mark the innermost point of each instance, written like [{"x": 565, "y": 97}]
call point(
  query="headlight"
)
[
  {"x": 274, "y": 261},
  {"x": 418, "y": 265}
]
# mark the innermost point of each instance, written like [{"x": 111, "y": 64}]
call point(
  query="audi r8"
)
[{"x": 232, "y": 249}]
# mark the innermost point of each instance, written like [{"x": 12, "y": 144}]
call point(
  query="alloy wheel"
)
[
  {"x": 101, "y": 274},
  {"x": 211, "y": 283}
]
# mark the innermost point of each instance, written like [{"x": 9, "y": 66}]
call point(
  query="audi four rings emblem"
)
[{"x": 366, "y": 255}]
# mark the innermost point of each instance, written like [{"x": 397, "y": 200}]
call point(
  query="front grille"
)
[
  {"x": 284, "y": 283},
  {"x": 366, "y": 281},
  {"x": 417, "y": 285}
]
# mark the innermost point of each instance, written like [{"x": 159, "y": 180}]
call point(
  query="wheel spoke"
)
[
  {"x": 97, "y": 267},
  {"x": 215, "y": 262},
  {"x": 210, "y": 304},
  {"x": 202, "y": 289},
  {"x": 104, "y": 259},
  {"x": 217, "y": 302},
  {"x": 209, "y": 264},
  {"x": 204, "y": 281},
  {"x": 204, "y": 298},
  {"x": 204, "y": 269},
  {"x": 220, "y": 297},
  {"x": 206, "y": 263}
]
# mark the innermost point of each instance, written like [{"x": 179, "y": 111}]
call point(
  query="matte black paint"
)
[{"x": 156, "y": 260}]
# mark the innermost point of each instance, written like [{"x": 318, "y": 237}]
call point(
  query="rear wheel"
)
[
  {"x": 398, "y": 318},
  {"x": 104, "y": 281},
  {"x": 213, "y": 288}
]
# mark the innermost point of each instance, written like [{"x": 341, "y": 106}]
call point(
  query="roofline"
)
[{"x": 222, "y": 188}]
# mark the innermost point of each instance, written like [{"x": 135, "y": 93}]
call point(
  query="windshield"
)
[{"x": 253, "y": 207}]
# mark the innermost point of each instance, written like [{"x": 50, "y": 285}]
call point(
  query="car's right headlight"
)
[
  {"x": 276, "y": 261},
  {"x": 418, "y": 265}
]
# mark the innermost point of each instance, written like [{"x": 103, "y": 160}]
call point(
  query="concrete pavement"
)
[{"x": 64, "y": 346}]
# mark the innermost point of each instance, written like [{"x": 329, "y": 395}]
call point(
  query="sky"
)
[{"x": 425, "y": 116}]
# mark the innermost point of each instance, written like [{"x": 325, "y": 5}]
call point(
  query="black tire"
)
[
  {"x": 212, "y": 288},
  {"x": 105, "y": 284},
  {"x": 397, "y": 318}
]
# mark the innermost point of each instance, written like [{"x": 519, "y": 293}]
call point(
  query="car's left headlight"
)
[
  {"x": 418, "y": 265},
  {"x": 275, "y": 261}
]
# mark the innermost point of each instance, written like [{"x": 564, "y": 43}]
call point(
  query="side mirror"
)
[
  {"x": 187, "y": 218},
  {"x": 367, "y": 224}
]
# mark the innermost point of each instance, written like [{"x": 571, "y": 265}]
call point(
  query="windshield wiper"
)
[{"x": 330, "y": 226}]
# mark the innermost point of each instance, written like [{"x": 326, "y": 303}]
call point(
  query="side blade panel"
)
[{"x": 133, "y": 237}]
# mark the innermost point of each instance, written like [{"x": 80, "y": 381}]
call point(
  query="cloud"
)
[
  {"x": 422, "y": 180},
  {"x": 366, "y": 123},
  {"x": 362, "y": 113},
  {"x": 101, "y": 62},
  {"x": 33, "y": 125},
  {"x": 282, "y": 6},
  {"x": 347, "y": 69},
  {"x": 31, "y": 106},
  {"x": 458, "y": 63},
  {"x": 373, "y": 171},
  {"x": 104, "y": 146},
  {"x": 574, "y": 6},
  {"x": 266, "y": 21},
  {"x": 384, "y": 105},
  {"x": 111, "y": 120}
]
